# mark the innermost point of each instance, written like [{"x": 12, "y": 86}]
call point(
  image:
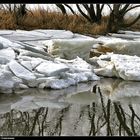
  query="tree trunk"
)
[{"x": 116, "y": 19}]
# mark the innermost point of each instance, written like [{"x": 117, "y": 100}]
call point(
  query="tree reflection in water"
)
[
  {"x": 126, "y": 124},
  {"x": 102, "y": 118}
]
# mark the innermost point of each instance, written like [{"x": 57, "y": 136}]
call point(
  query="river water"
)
[{"x": 109, "y": 107}]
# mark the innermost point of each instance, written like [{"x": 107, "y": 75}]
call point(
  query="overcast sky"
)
[{"x": 52, "y": 7}]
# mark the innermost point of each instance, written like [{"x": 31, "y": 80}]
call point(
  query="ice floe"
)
[
  {"x": 117, "y": 65},
  {"x": 59, "y": 59}
]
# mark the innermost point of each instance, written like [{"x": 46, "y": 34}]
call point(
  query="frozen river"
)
[{"x": 85, "y": 104}]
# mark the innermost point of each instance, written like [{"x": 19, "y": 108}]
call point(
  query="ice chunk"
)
[
  {"x": 8, "y": 80},
  {"x": 7, "y": 43},
  {"x": 61, "y": 83},
  {"x": 51, "y": 69},
  {"x": 27, "y": 64},
  {"x": 70, "y": 48},
  {"x": 20, "y": 71},
  {"x": 123, "y": 66},
  {"x": 7, "y": 53}
]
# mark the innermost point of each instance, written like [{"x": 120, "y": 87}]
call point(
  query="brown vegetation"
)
[
  {"x": 100, "y": 50},
  {"x": 44, "y": 19}
]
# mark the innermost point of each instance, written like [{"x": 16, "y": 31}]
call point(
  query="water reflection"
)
[{"x": 109, "y": 107}]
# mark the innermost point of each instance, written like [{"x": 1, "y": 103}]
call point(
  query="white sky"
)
[{"x": 52, "y": 7}]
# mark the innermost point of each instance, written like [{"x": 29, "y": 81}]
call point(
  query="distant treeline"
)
[{"x": 89, "y": 20}]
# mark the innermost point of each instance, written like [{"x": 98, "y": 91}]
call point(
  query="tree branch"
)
[
  {"x": 62, "y": 8},
  {"x": 82, "y": 13},
  {"x": 70, "y": 8},
  {"x": 133, "y": 22},
  {"x": 110, "y": 7},
  {"x": 132, "y": 8},
  {"x": 102, "y": 7},
  {"x": 86, "y": 7},
  {"x": 124, "y": 8}
]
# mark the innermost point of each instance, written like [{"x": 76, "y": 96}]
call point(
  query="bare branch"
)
[
  {"x": 102, "y": 7},
  {"x": 92, "y": 12},
  {"x": 124, "y": 8},
  {"x": 110, "y": 7},
  {"x": 86, "y": 6},
  {"x": 132, "y": 8},
  {"x": 97, "y": 7},
  {"x": 62, "y": 8},
  {"x": 91, "y": 7},
  {"x": 133, "y": 22},
  {"x": 70, "y": 8},
  {"x": 82, "y": 13}
]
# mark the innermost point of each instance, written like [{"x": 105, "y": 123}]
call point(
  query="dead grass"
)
[{"x": 44, "y": 19}]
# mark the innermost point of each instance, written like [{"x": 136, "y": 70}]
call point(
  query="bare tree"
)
[
  {"x": 94, "y": 12},
  {"x": 116, "y": 19},
  {"x": 8, "y": 7},
  {"x": 22, "y": 10},
  {"x": 14, "y": 8},
  {"x": 18, "y": 11}
]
